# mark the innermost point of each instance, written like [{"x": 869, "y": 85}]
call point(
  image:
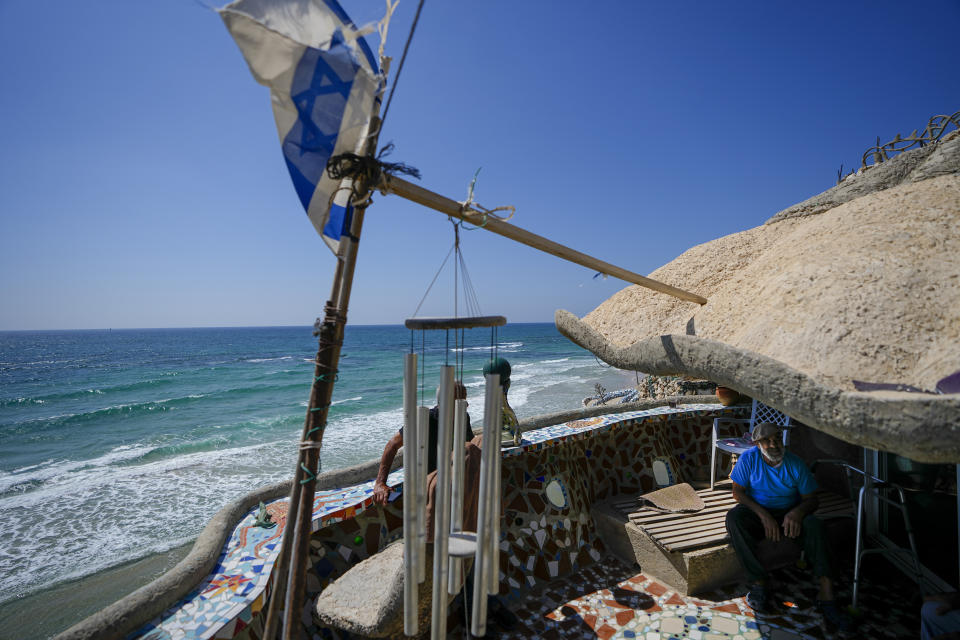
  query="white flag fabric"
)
[{"x": 323, "y": 81}]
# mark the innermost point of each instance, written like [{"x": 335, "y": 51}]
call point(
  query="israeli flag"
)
[{"x": 323, "y": 81}]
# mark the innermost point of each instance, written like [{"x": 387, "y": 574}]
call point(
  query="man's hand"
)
[
  {"x": 770, "y": 527},
  {"x": 381, "y": 493},
  {"x": 792, "y": 523}
]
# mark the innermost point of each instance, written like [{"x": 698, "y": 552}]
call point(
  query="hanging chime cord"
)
[{"x": 403, "y": 57}]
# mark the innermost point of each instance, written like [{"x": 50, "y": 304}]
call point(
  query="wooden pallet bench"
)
[
  {"x": 690, "y": 550},
  {"x": 683, "y": 531}
]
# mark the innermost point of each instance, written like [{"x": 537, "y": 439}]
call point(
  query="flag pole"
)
[
  {"x": 290, "y": 578},
  {"x": 437, "y": 202},
  {"x": 282, "y": 565}
]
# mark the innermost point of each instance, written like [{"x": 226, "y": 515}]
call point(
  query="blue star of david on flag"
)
[{"x": 324, "y": 82}]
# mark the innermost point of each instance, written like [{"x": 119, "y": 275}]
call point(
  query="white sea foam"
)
[
  {"x": 118, "y": 513},
  {"x": 277, "y": 359},
  {"x": 23, "y": 401},
  {"x": 504, "y": 346},
  {"x": 29, "y": 467},
  {"x": 353, "y": 439},
  {"x": 546, "y": 385},
  {"x": 56, "y": 472},
  {"x": 117, "y": 510}
]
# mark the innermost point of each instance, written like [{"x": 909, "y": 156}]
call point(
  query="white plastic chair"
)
[{"x": 736, "y": 445}]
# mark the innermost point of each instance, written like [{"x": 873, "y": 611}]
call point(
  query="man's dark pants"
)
[{"x": 746, "y": 530}]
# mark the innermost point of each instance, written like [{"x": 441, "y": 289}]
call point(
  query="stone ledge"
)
[{"x": 922, "y": 427}]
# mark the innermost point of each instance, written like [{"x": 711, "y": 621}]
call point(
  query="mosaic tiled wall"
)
[
  {"x": 594, "y": 459},
  {"x": 541, "y": 542}
]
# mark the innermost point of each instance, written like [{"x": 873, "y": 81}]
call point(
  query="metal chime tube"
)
[
  {"x": 493, "y": 503},
  {"x": 491, "y": 437},
  {"x": 441, "y": 528},
  {"x": 493, "y": 586},
  {"x": 456, "y": 501},
  {"x": 423, "y": 424},
  {"x": 410, "y": 503}
]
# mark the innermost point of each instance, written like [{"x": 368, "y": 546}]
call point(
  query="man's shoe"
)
[
  {"x": 834, "y": 620},
  {"x": 759, "y": 599}
]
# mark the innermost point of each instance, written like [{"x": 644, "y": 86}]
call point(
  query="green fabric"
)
[{"x": 498, "y": 365}]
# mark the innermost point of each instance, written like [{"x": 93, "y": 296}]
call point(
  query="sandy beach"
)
[{"x": 53, "y": 610}]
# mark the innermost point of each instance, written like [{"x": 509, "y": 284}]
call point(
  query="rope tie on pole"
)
[
  {"x": 310, "y": 475},
  {"x": 469, "y": 207},
  {"x": 366, "y": 169},
  {"x": 322, "y": 324}
]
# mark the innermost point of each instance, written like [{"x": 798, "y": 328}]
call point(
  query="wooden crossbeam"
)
[{"x": 437, "y": 202}]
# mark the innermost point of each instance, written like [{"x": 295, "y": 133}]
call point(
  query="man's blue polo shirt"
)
[{"x": 773, "y": 487}]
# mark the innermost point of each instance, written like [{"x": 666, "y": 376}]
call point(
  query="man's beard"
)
[{"x": 772, "y": 457}]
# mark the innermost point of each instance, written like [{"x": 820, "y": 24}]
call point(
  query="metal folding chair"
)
[{"x": 893, "y": 495}]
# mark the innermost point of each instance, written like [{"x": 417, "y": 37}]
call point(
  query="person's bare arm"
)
[
  {"x": 770, "y": 528},
  {"x": 794, "y": 519},
  {"x": 381, "y": 492}
]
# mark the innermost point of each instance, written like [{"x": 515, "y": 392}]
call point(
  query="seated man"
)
[
  {"x": 381, "y": 492},
  {"x": 774, "y": 491}
]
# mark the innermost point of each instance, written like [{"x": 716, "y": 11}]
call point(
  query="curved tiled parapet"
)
[
  {"x": 130, "y": 613},
  {"x": 922, "y": 427},
  {"x": 594, "y": 456}
]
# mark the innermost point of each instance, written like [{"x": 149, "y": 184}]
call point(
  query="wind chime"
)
[{"x": 452, "y": 545}]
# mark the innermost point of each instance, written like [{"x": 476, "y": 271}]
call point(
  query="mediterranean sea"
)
[{"x": 116, "y": 445}]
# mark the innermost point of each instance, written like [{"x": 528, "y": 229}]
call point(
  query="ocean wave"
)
[
  {"x": 142, "y": 408},
  {"x": 182, "y": 448},
  {"x": 30, "y": 466},
  {"x": 78, "y": 394},
  {"x": 35, "y": 476},
  {"x": 118, "y": 514},
  {"x": 19, "y": 402},
  {"x": 63, "y": 477},
  {"x": 14, "y": 365},
  {"x": 276, "y": 359},
  {"x": 503, "y": 346}
]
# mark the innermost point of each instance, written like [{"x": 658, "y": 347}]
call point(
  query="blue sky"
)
[{"x": 142, "y": 183}]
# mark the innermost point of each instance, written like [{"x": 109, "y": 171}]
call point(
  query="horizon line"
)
[{"x": 267, "y": 326}]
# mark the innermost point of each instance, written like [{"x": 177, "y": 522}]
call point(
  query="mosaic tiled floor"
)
[{"x": 612, "y": 600}]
